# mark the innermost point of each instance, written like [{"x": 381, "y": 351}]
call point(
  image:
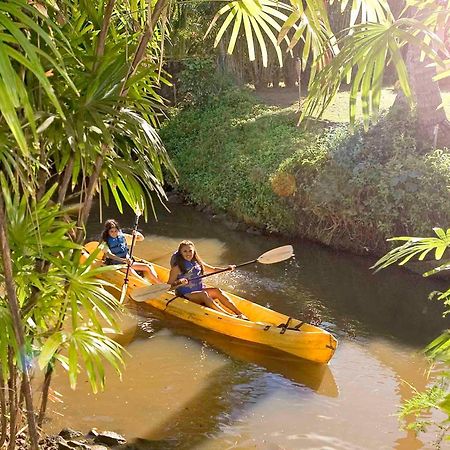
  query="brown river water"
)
[{"x": 187, "y": 388}]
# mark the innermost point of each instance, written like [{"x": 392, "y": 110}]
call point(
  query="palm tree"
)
[
  {"x": 79, "y": 108},
  {"x": 363, "y": 51},
  {"x": 360, "y": 53},
  {"x": 80, "y": 114}
]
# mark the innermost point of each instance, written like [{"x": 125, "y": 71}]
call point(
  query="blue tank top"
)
[
  {"x": 192, "y": 270},
  {"x": 118, "y": 246}
]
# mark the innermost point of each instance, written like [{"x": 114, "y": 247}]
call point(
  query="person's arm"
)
[
  {"x": 110, "y": 255},
  {"x": 173, "y": 281},
  {"x": 210, "y": 269}
]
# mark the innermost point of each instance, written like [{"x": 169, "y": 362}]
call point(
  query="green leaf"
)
[
  {"x": 235, "y": 32},
  {"x": 51, "y": 345}
]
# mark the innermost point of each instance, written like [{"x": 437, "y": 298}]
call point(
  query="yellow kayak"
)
[{"x": 265, "y": 327}]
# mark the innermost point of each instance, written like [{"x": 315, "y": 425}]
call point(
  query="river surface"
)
[{"x": 188, "y": 388}]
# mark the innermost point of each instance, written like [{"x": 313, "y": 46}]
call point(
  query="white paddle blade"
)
[
  {"x": 148, "y": 292},
  {"x": 123, "y": 293},
  {"x": 277, "y": 255}
]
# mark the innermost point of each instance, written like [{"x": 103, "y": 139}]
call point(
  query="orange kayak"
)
[{"x": 266, "y": 327}]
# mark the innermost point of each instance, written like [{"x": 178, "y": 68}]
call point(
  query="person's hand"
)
[
  {"x": 129, "y": 260},
  {"x": 231, "y": 267},
  {"x": 180, "y": 282}
]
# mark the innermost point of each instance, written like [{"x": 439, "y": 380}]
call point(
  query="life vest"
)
[
  {"x": 118, "y": 246},
  {"x": 191, "y": 270}
]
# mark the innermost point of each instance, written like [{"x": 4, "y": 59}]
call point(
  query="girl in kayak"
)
[
  {"x": 185, "y": 265},
  {"x": 118, "y": 252}
]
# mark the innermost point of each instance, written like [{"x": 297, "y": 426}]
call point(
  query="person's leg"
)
[
  {"x": 149, "y": 272},
  {"x": 202, "y": 298},
  {"x": 217, "y": 293}
]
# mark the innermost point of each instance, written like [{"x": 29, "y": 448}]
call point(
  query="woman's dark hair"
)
[
  {"x": 110, "y": 223},
  {"x": 180, "y": 261}
]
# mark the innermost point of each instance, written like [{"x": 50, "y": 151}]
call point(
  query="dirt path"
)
[{"x": 282, "y": 97}]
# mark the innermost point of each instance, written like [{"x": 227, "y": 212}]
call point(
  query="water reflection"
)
[
  {"x": 352, "y": 299},
  {"x": 317, "y": 377},
  {"x": 189, "y": 388}
]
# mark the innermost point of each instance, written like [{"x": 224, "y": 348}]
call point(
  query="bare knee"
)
[
  {"x": 207, "y": 300},
  {"x": 214, "y": 292}
]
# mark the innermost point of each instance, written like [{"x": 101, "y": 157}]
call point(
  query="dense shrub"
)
[
  {"x": 200, "y": 83},
  {"x": 348, "y": 189}
]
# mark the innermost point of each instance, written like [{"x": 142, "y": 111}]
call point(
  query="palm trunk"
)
[
  {"x": 3, "y": 412},
  {"x": 12, "y": 401},
  {"x": 153, "y": 15},
  {"x": 433, "y": 124},
  {"x": 104, "y": 32},
  {"x": 90, "y": 193},
  {"x": 431, "y": 117},
  {"x": 45, "y": 392},
  {"x": 65, "y": 180},
  {"x": 13, "y": 307}
]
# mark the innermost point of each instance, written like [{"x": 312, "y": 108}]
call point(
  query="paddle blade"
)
[
  {"x": 123, "y": 293},
  {"x": 148, "y": 292},
  {"x": 277, "y": 255},
  {"x": 93, "y": 246}
]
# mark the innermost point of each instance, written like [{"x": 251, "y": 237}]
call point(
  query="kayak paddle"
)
[
  {"x": 125, "y": 281},
  {"x": 270, "y": 257}
]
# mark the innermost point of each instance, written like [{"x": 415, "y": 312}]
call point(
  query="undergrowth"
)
[{"x": 346, "y": 188}]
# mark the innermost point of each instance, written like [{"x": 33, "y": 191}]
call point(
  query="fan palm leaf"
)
[
  {"x": 367, "y": 11},
  {"x": 367, "y": 51},
  {"x": 420, "y": 248},
  {"x": 250, "y": 17},
  {"x": 69, "y": 292}
]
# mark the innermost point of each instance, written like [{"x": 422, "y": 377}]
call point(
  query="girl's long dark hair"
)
[
  {"x": 110, "y": 223},
  {"x": 180, "y": 261}
]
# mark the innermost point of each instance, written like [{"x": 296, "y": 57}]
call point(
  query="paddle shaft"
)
[
  {"x": 223, "y": 270},
  {"x": 156, "y": 289},
  {"x": 133, "y": 240},
  {"x": 272, "y": 256}
]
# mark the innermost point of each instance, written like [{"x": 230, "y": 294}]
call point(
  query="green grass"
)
[{"x": 338, "y": 110}]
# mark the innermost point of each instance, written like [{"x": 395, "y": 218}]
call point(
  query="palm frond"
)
[
  {"x": 367, "y": 11},
  {"x": 366, "y": 52},
  {"x": 253, "y": 15},
  {"x": 21, "y": 24},
  {"x": 418, "y": 247}
]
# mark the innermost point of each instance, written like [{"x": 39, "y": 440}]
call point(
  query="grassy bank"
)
[{"x": 347, "y": 189}]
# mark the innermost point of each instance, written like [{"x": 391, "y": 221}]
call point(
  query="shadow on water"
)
[
  {"x": 392, "y": 302},
  {"x": 381, "y": 319},
  {"x": 241, "y": 382},
  {"x": 202, "y": 416},
  {"x": 317, "y": 377}
]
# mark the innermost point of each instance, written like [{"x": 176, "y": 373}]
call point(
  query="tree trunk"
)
[
  {"x": 3, "y": 412},
  {"x": 433, "y": 125},
  {"x": 13, "y": 307},
  {"x": 431, "y": 117}
]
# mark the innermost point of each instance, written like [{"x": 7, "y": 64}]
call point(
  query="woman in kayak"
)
[
  {"x": 185, "y": 265},
  {"x": 118, "y": 252}
]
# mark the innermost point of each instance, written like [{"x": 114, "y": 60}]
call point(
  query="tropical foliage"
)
[
  {"x": 359, "y": 54},
  {"x": 437, "y": 396},
  {"x": 349, "y": 189},
  {"x": 78, "y": 117},
  {"x": 79, "y": 107}
]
